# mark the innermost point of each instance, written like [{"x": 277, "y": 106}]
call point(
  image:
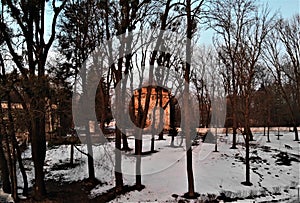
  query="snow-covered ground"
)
[{"x": 164, "y": 172}]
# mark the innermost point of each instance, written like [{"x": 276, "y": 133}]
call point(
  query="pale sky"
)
[{"x": 287, "y": 9}]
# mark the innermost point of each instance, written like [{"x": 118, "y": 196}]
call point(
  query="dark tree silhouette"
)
[
  {"x": 282, "y": 57},
  {"x": 29, "y": 18},
  {"x": 242, "y": 28}
]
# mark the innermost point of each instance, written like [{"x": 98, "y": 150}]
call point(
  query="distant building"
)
[
  {"x": 157, "y": 100},
  {"x": 52, "y": 118}
]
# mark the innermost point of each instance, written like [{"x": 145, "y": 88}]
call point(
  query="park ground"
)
[{"x": 218, "y": 175}]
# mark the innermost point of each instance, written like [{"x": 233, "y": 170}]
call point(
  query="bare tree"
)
[
  {"x": 192, "y": 14},
  {"x": 120, "y": 20},
  {"x": 80, "y": 35},
  {"x": 9, "y": 125},
  {"x": 29, "y": 18},
  {"x": 282, "y": 56},
  {"x": 6, "y": 185},
  {"x": 242, "y": 28},
  {"x": 223, "y": 20},
  {"x": 204, "y": 78}
]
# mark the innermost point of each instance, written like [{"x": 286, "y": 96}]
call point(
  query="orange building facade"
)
[{"x": 159, "y": 107}]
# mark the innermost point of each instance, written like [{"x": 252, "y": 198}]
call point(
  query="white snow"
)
[{"x": 164, "y": 172}]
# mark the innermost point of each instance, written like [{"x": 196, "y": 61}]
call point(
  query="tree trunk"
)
[
  {"x": 161, "y": 115},
  {"x": 12, "y": 153},
  {"x": 3, "y": 162},
  {"x": 90, "y": 153},
  {"x": 248, "y": 132},
  {"x": 123, "y": 98},
  {"x": 154, "y": 121},
  {"x": 247, "y": 160},
  {"x": 189, "y": 155},
  {"x": 268, "y": 134},
  {"x": 38, "y": 146},
  {"x": 216, "y": 140},
  {"x": 268, "y": 124},
  {"x": 153, "y": 127},
  {"x": 21, "y": 166},
  {"x": 161, "y": 136},
  {"x": 118, "y": 139},
  {"x": 189, "y": 168},
  {"x": 118, "y": 161},
  {"x": 138, "y": 174},
  {"x": 234, "y": 120},
  {"x": 152, "y": 143},
  {"x": 4, "y": 169},
  {"x": 173, "y": 130},
  {"x": 13, "y": 177},
  {"x": 125, "y": 142},
  {"x": 11, "y": 165},
  {"x": 234, "y": 133},
  {"x": 248, "y": 129},
  {"x": 296, "y": 133},
  {"x": 247, "y": 182},
  {"x": 248, "y": 138},
  {"x": 72, "y": 154},
  {"x": 181, "y": 139}
]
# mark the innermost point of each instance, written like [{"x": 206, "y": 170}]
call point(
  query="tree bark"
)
[
  {"x": 11, "y": 145},
  {"x": 234, "y": 120},
  {"x": 21, "y": 166},
  {"x": 90, "y": 153},
  {"x": 268, "y": 134},
  {"x": 296, "y": 133},
  {"x": 38, "y": 145},
  {"x": 161, "y": 136},
  {"x": 125, "y": 143},
  {"x": 247, "y": 129},
  {"x": 153, "y": 127},
  {"x": 118, "y": 161},
  {"x": 161, "y": 116},
  {"x": 38, "y": 149},
  {"x": 138, "y": 172},
  {"x": 4, "y": 169},
  {"x": 152, "y": 143},
  {"x": 3, "y": 162},
  {"x": 234, "y": 133},
  {"x": 189, "y": 155},
  {"x": 11, "y": 163},
  {"x": 247, "y": 182},
  {"x": 72, "y": 154},
  {"x": 173, "y": 130}
]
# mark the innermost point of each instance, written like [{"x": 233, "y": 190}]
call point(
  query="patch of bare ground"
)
[{"x": 65, "y": 192}]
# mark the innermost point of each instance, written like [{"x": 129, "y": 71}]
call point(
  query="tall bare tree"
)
[
  {"x": 242, "y": 29},
  {"x": 29, "y": 32},
  {"x": 12, "y": 120},
  {"x": 81, "y": 32},
  {"x": 193, "y": 11},
  {"x": 282, "y": 56}
]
